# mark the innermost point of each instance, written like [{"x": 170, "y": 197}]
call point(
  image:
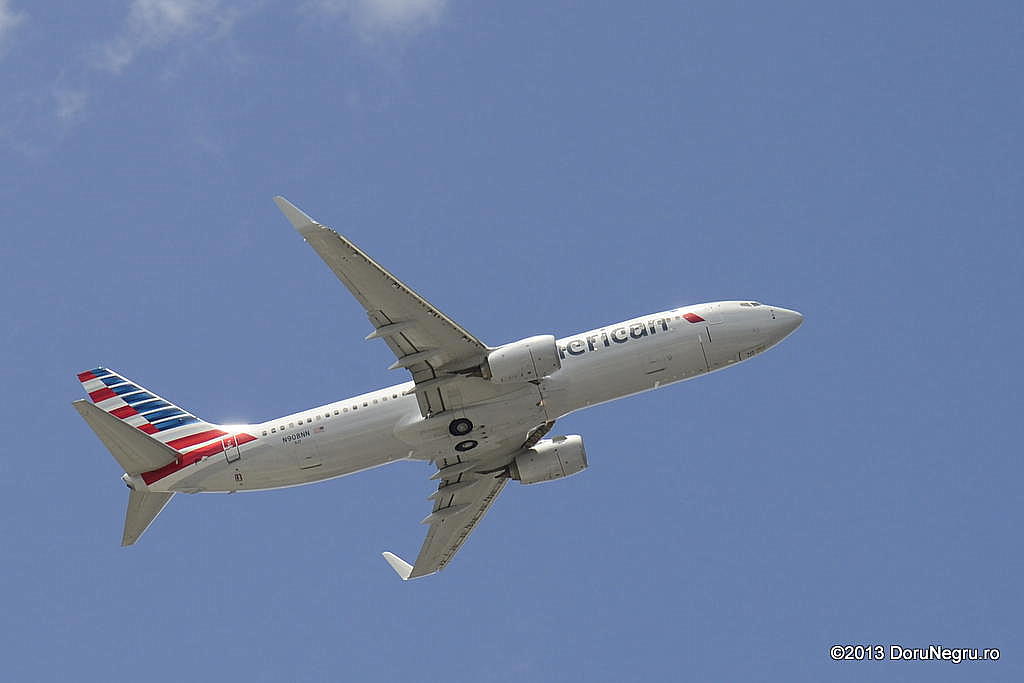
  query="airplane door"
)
[
  {"x": 231, "y": 452},
  {"x": 704, "y": 341},
  {"x": 712, "y": 314}
]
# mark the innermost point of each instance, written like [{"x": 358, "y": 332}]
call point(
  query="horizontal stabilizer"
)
[
  {"x": 134, "y": 450},
  {"x": 401, "y": 567},
  {"x": 143, "y": 507}
]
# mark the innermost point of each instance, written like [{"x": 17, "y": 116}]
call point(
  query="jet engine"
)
[
  {"x": 525, "y": 360},
  {"x": 550, "y": 459}
]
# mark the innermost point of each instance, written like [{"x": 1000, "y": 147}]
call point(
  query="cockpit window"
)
[{"x": 750, "y": 303}]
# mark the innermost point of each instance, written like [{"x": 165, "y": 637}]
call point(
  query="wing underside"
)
[
  {"x": 425, "y": 341},
  {"x": 460, "y": 503},
  {"x": 447, "y": 365}
]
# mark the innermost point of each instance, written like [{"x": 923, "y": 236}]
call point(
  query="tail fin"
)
[
  {"x": 138, "y": 407},
  {"x": 149, "y": 437},
  {"x": 141, "y": 409},
  {"x": 143, "y": 507}
]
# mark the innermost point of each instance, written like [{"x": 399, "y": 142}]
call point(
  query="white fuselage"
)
[{"x": 384, "y": 426}]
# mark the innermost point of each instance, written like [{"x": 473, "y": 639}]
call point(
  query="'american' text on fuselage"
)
[{"x": 620, "y": 335}]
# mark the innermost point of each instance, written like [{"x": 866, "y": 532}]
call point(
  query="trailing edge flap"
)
[
  {"x": 424, "y": 340},
  {"x": 143, "y": 507},
  {"x": 449, "y": 530},
  {"x": 134, "y": 450}
]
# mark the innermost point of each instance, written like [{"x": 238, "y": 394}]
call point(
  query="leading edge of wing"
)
[{"x": 324, "y": 240}]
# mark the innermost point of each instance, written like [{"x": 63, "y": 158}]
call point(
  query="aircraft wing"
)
[
  {"x": 443, "y": 359},
  {"x": 424, "y": 340},
  {"x": 460, "y": 502},
  {"x": 465, "y": 492}
]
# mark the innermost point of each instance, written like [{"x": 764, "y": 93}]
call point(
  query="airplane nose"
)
[{"x": 787, "y": 321}]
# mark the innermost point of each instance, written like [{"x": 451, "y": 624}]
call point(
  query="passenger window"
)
[
  {"x": 308, "y": 420},
  {"x": 374, "y": 401},
  {"x": 344, "y": 410},
  {"x": 355, "y": 407},
  {"x": 365, "y": 404},
  {"x": 273, "y": 430},
  {"x": 394, "y": 395},
  {"x": 384, "y": 398},
  {"x": 291, "y": 424}
]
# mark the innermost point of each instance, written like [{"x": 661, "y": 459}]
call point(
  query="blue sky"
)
[{"x": 530, "y": 168}]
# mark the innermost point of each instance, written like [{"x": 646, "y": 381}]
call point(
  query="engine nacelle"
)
[
  {"x": 561, "y": 456},
  {"x": 525, "y": 360}
]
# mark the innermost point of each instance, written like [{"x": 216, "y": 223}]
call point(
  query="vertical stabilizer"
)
[
  {"x": 151, "y": 438},
  {"x": 140, "y": 408},
  {"x": 143, "y": 507}
]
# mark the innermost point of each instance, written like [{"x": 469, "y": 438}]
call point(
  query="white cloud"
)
[
  {"x": 69, "y": 103},
  {"x": 372, "y": 17},
  {"x": 9, "y": 20},
  {"x": 151, "y": 24}
]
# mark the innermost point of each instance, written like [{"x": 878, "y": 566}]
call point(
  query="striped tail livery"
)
[{"x": 150, "y": 437}]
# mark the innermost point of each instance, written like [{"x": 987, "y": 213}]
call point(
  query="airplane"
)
[{"x": 481, "y": 414}]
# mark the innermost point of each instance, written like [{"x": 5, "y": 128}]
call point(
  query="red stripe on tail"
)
[
  {"x": 123, "y": 412},
  {"x": 101, "y": 394},
  {"x": 192, "y": 439},
  {"x": 192, "y": 457}
]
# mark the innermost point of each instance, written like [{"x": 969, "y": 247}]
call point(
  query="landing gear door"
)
[{"x": 231, "y": 452}]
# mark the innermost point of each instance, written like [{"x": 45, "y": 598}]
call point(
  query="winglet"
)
[
  {"x": 401, "y": 567},
  {"x": 293, "y": 213}
]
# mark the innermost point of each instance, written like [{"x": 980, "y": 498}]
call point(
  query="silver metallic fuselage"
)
[{"x": 598, "y": 366}]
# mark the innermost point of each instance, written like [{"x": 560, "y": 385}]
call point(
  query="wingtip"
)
[
  {"x": 401, "y": 567},
  {"x": 294, "y": 214}
]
